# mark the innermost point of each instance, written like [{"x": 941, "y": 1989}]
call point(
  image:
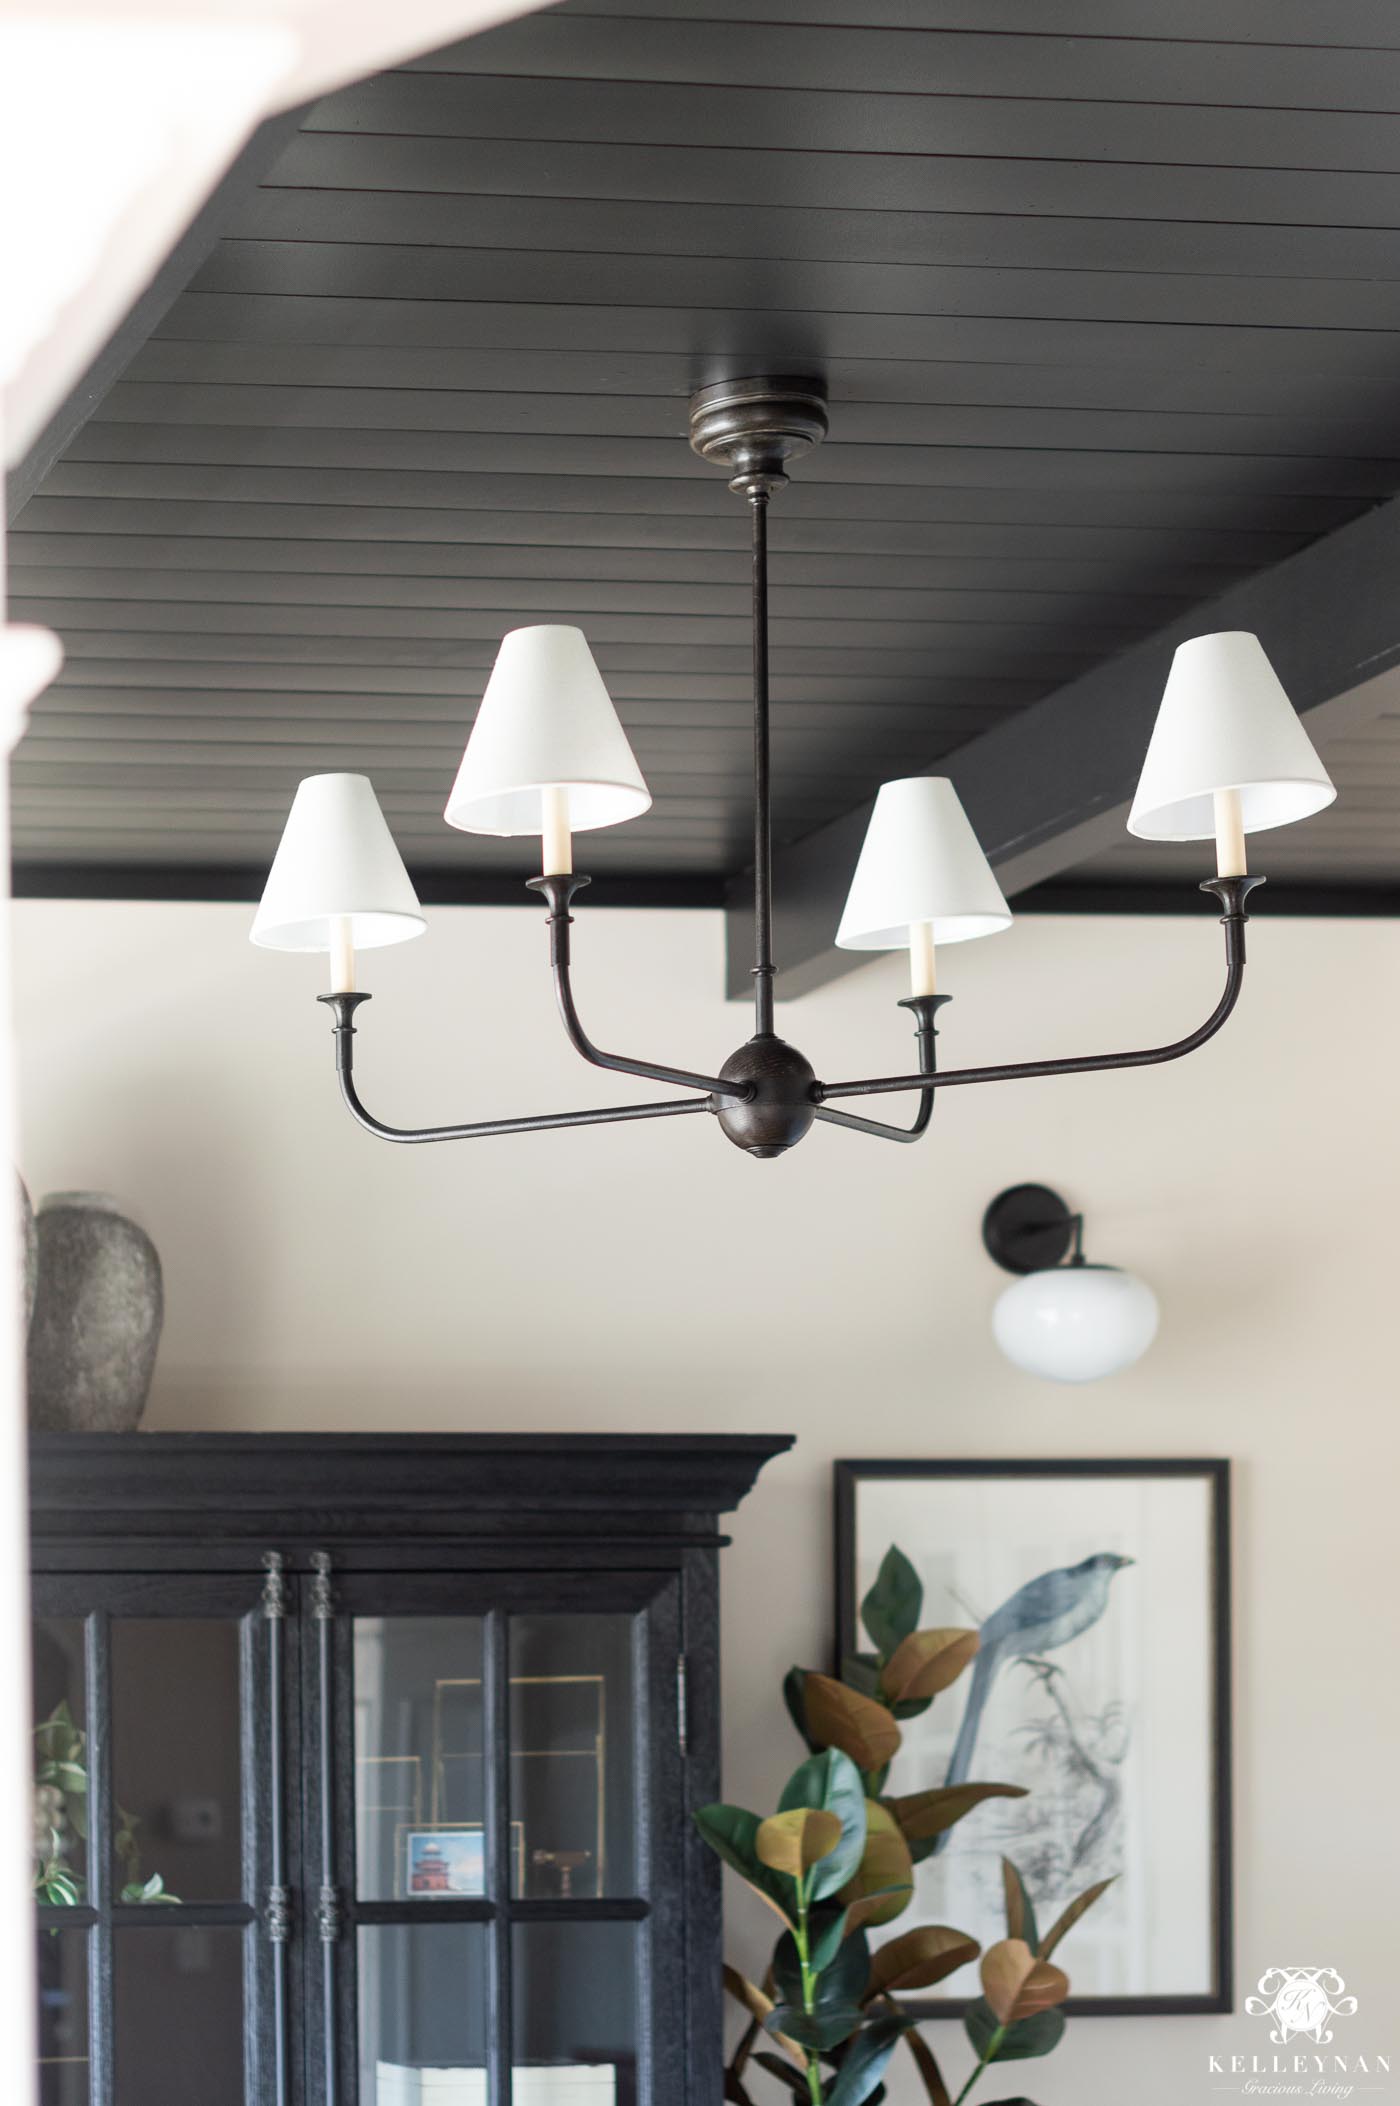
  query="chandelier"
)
[{"x": 547, "y": 755}]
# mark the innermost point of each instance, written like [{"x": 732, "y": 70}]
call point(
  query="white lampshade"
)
[
  {"x": 1225, "y": 724},
  {"x": 546, "y": 721},
  {"x": 921, "y": 862},
  {"x": 336, "y": 862},
  {"x": 1075, "y": 1323}
]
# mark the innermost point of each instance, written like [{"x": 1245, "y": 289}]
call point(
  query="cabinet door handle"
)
[
  {"x": 328, "y": 1912},
  {"x": 277, "y": 1908}
]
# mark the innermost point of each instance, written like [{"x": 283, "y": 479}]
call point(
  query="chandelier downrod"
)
[{"x": 763, "y": 967}]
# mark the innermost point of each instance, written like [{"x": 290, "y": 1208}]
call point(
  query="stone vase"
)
[
  {"x": 97, "y": 1317},
  {"x": 28, "y": 1248}
]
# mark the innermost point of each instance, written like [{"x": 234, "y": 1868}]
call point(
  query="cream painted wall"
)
[{"x": 317, "y": 1279}]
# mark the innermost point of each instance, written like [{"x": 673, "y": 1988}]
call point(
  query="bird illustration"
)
[{"x": 1038, "y": 1618}]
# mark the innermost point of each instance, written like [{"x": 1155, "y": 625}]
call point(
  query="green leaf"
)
[
  {"x": 839, "y": 1984},
  {"x": 794, "y": 1684},
  {"x": 827, "y": 1930},
  {"x": 1020, "y": 1910},
  {"x": 832, "y": 1782},
  {"x": 153, "y": 1890},
  {"x": 1028, "y": 2037},
  {"x": 864, "y": 2066},
  {"x": 57, "y": 1737},
  {"x": 818, "y": 2030},
  {"x": 911, "y": 1707},
  {"x": 890, "y": 1610},
  {"x": 731, "y": 1832}
]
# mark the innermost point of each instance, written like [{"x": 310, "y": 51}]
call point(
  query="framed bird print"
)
[{"x": 1100, "y": 1690}]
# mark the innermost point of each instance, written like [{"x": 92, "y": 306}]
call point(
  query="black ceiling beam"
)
[
  {"x": 1050, "y": 786},
  {"x": 196, "y": 244},
  {"x": 1299, "y": 898},
  {"x": 242, "y": 885}
]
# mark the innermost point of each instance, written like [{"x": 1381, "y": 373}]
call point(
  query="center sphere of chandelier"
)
[{"x": 548, "y": 756}]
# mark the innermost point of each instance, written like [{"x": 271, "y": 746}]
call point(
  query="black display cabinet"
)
[{"x": 364, "y": 1768}]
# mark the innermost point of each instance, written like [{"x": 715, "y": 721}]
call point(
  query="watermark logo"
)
[
  {"x": 1300, "y": 2002},
  {"x": 1300, "y": 2005}
]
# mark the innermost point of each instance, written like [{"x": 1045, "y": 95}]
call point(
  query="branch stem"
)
[
  {"x": 988, "y": 2055},
  {"x": 802, "y": 1940}
]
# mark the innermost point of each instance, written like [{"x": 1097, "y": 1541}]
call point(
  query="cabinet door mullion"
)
[
  {"x": 661, "y": 1685},
  {"x": 496, "y": 1730},
  {"x": 98, "y": 1701}
]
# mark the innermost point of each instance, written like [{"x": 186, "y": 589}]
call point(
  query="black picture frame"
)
[{"x": 1215, "y": 1472}]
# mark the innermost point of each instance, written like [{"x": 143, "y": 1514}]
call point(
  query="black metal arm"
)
[
  {"x": 345, "y": 1005},
  {"x": 559, "y": 891},
  {"x": 925, "y": 1008},
  {"x": 1232, "y": 894}
]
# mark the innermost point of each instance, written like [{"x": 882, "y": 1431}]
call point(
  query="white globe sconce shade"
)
[
  {"x": 337, "y": 875},
  {"x": 920, "y": 864},
  {"x": 1226, "y": 725},
  {"x": 546, "y": 723},
  {"x": 1075, "y": 1323},
  {"x": 1070, "y": 1322}
]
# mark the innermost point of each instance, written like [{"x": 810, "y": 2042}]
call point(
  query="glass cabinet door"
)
[
  {"x": 148, "y": 1841},
  {"x": 514, "y": 1809}
]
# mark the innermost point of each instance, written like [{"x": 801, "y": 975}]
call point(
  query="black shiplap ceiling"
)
[{"x": 1109, "y": 318}]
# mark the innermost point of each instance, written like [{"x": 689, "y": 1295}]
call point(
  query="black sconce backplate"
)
[{"x": 1028, "y": 1228}]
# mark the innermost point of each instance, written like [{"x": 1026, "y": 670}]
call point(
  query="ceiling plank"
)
[
  {"x": 945, "y": 60},
  {"x": 816, "y": 181},
  {"x": 403, "y": 534},
  {"x": 709, "y": 284},
  {"x": 482, "y": 106},
  {"x": 476, "y": 220},
  {"x": 1364, "y": 22}
]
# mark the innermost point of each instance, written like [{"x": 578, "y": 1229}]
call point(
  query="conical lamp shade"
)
[
  {"x": 546, "y": 721},
  {"x": 336, "y": 860},
  {"x": 921, "y": 862},
  {"x": 1225, "y": 724}
]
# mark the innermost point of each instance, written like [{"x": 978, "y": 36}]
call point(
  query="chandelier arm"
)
[
  {"x": 877, "y": 1127},
  {"x": 925, "y": 1008},
  {"x": 345, "y": 1005},
  {"x": 559, "y": 891},
  {"x": 1232, "y": 893}
]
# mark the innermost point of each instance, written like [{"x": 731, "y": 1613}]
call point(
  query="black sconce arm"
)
[
  {"x": 344, "y": 1007},
  {"x": 925, "y": 1008},
  {"x": 1231, "y": 892},
  {"x": 559, "y": 891}
]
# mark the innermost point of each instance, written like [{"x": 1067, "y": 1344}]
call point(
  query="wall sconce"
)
[{"x": 1070, "y": 1322}]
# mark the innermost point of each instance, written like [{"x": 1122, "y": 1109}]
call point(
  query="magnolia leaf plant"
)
[
  {"x": 836, "y": 1861},
  {"x": 60, "y": 1813}
]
